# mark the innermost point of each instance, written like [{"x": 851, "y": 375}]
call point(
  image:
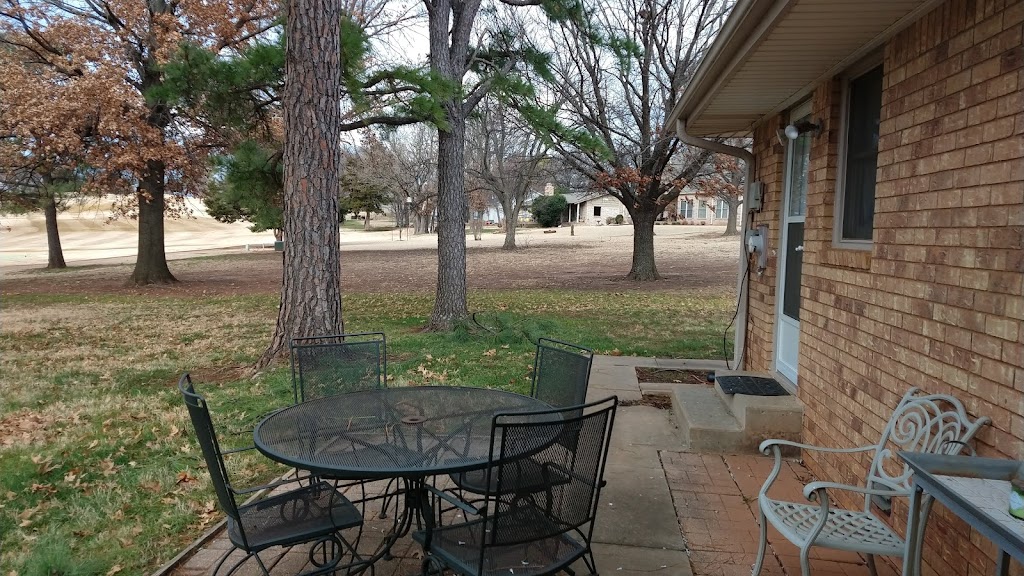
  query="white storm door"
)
[{"x": 787, "y": 342}]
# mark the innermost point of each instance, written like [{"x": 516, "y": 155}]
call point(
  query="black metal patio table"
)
[
  {"x": 408, "y": 433},
  {"x": 975, "y": 489}
]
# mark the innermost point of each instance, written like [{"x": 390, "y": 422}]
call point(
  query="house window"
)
[
  {"x": 721, "y": 209},
  {"x": 686, "y": 209},
  {"x": 597, "y": 210},
  {"x": 856, "y": 200},
  {"x": 702, "y": 210}
]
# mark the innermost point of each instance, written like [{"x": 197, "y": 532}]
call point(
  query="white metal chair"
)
[{"x": 930, "y": 423}]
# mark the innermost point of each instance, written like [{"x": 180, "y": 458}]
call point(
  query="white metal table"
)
[{"x": 975, "y": 489}]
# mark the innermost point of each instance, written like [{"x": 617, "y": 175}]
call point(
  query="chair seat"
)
[
  {"x": 525, "y": 476},
  {"x": 296, "y": 516},
  {"x": 844, "y": 530},
  {"x": 459, "y": 546}
]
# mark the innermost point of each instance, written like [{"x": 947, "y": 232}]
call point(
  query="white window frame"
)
[
  {"x": 721, "y": 209},
  {"x": 686, "y": 209},
  {"x": 866, "y": 65},
  {"x": 702, "y": 210}
]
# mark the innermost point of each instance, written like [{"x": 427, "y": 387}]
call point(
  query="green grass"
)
[{"x": 98, "y": 470}]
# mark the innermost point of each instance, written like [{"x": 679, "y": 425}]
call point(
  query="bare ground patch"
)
[{"x": 694, "y": 260}]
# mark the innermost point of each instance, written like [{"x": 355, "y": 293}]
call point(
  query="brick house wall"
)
[{"x": 938, "y": 300}]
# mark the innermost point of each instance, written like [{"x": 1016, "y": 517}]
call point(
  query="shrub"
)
[
  {"x": 619, "y": 219},
  {"x": 547, "y": 210},
  {"x": 609, "y": 220}
]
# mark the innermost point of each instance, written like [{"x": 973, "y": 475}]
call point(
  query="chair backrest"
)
[
  {"x": 336, "y": 364},
  {"x": 922, "y": 422},
  {"x": 570, "y": 446},
  {"x": 199, "y": 412},
  {"x": 561, "y": 372}
]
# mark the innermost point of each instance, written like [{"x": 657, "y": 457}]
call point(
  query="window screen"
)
[{"x": 865, "y": 107}]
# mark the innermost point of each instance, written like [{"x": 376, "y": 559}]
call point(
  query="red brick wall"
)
[
  {"x": 769, "y": 167},
  {"x": 938, "y": 300}
]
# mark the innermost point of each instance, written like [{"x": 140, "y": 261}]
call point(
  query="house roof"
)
[
  {"x": 771, "y": 53},
  {"x": 580, "y": 197}
]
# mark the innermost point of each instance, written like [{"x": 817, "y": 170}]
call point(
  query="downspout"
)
[{"x": 743, "y": 282}]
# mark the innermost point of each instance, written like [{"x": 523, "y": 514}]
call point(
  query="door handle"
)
[{"x": 799, "y": 248}]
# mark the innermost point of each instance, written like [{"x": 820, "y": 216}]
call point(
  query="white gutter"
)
[{"x": 743, "y": 281}]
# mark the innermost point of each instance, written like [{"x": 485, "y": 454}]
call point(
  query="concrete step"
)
[
  {"x": 763, "y": 417},
  {"x": 705, "y": 421}
]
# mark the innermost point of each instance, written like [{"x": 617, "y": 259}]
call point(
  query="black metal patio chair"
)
[
  {"x": 561, "y": 372},
  {"x": 338, "y": 363},
  {"x": 537, "y": 531},
  {"x": 315, "y": 513}
]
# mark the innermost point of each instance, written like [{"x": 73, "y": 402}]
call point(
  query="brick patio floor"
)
[{"x": 715, "y": 497}]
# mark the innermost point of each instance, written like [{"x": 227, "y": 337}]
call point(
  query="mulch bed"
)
[
  {"x": 653, "y": 400},
  {"x": 672, "y": 376}
]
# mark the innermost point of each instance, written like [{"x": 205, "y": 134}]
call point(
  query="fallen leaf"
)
[
  {"x": 108, "y": 468},
  {"x": 615, "y": 352},
  {"x": 490, "y": 352},
  {"x": 184, "y": 477},
  {"x": 48, "y": 488},
  {"x": 152, "y": 486},
  {"x": 114, "y": 569}
]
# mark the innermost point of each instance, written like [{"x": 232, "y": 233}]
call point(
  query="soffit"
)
[{"x": 772, "y": 53}]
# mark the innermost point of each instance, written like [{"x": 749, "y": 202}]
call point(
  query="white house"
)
[{"x": 594, "y": 208}]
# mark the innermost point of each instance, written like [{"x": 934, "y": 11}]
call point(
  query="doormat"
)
[{"x": 751, "y": 386}]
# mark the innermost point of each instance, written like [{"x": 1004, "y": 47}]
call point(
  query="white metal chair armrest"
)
[
  {"x": 776, "y": 443},
  {"x": 814, "y": 490}
]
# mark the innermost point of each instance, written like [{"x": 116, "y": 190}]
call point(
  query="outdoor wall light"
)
[{"x": 794, "y": 130}]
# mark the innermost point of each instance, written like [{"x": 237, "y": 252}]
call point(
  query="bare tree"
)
[
  {"x": 509, "y": 161},
  {"x": 404, "y": 162},
  {"x": 722, "y": 181},
  {"x": 618, "y": 93},
  {"x": 493, "y": 56}
]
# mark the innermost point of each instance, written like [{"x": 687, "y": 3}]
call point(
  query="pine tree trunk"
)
[
  {"x": 151, "y": 259},
  {"x": 643, "y": 246},
  {"x": 55, "y": 257},
  {"x": 511, "y": 219},
  {"x": 450, "y": 300},
  {"x": 311, "y": 284}
]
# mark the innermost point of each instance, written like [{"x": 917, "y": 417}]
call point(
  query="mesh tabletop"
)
[{"x": 390, "y": 432}]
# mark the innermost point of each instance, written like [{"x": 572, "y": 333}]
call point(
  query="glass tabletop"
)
[{"x": 390, "y": 432}]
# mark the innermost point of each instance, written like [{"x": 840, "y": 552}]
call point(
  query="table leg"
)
[
  {"x": 1003, "y": 564},
  {"x": 912, "y": 552}
]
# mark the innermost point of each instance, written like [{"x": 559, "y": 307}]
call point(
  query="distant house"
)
[
  {"x": 693, "y": 210},
  {"x": 593, "y": 208}
]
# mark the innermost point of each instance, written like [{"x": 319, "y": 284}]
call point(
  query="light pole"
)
[{"x": 408, "y": 214}]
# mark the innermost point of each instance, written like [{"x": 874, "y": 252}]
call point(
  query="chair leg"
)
[
  {"x": 590, "y": 562},
  {"x": 262, "y": 565},
  {"x": 235, "y": 566},
  {"x": 805, "y": 561},
  {"x": 762, "y": 547},
  {"x": 872, "y": 569}
]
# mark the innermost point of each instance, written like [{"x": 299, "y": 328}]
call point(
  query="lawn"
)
[{"x": 99, "y": 473}]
